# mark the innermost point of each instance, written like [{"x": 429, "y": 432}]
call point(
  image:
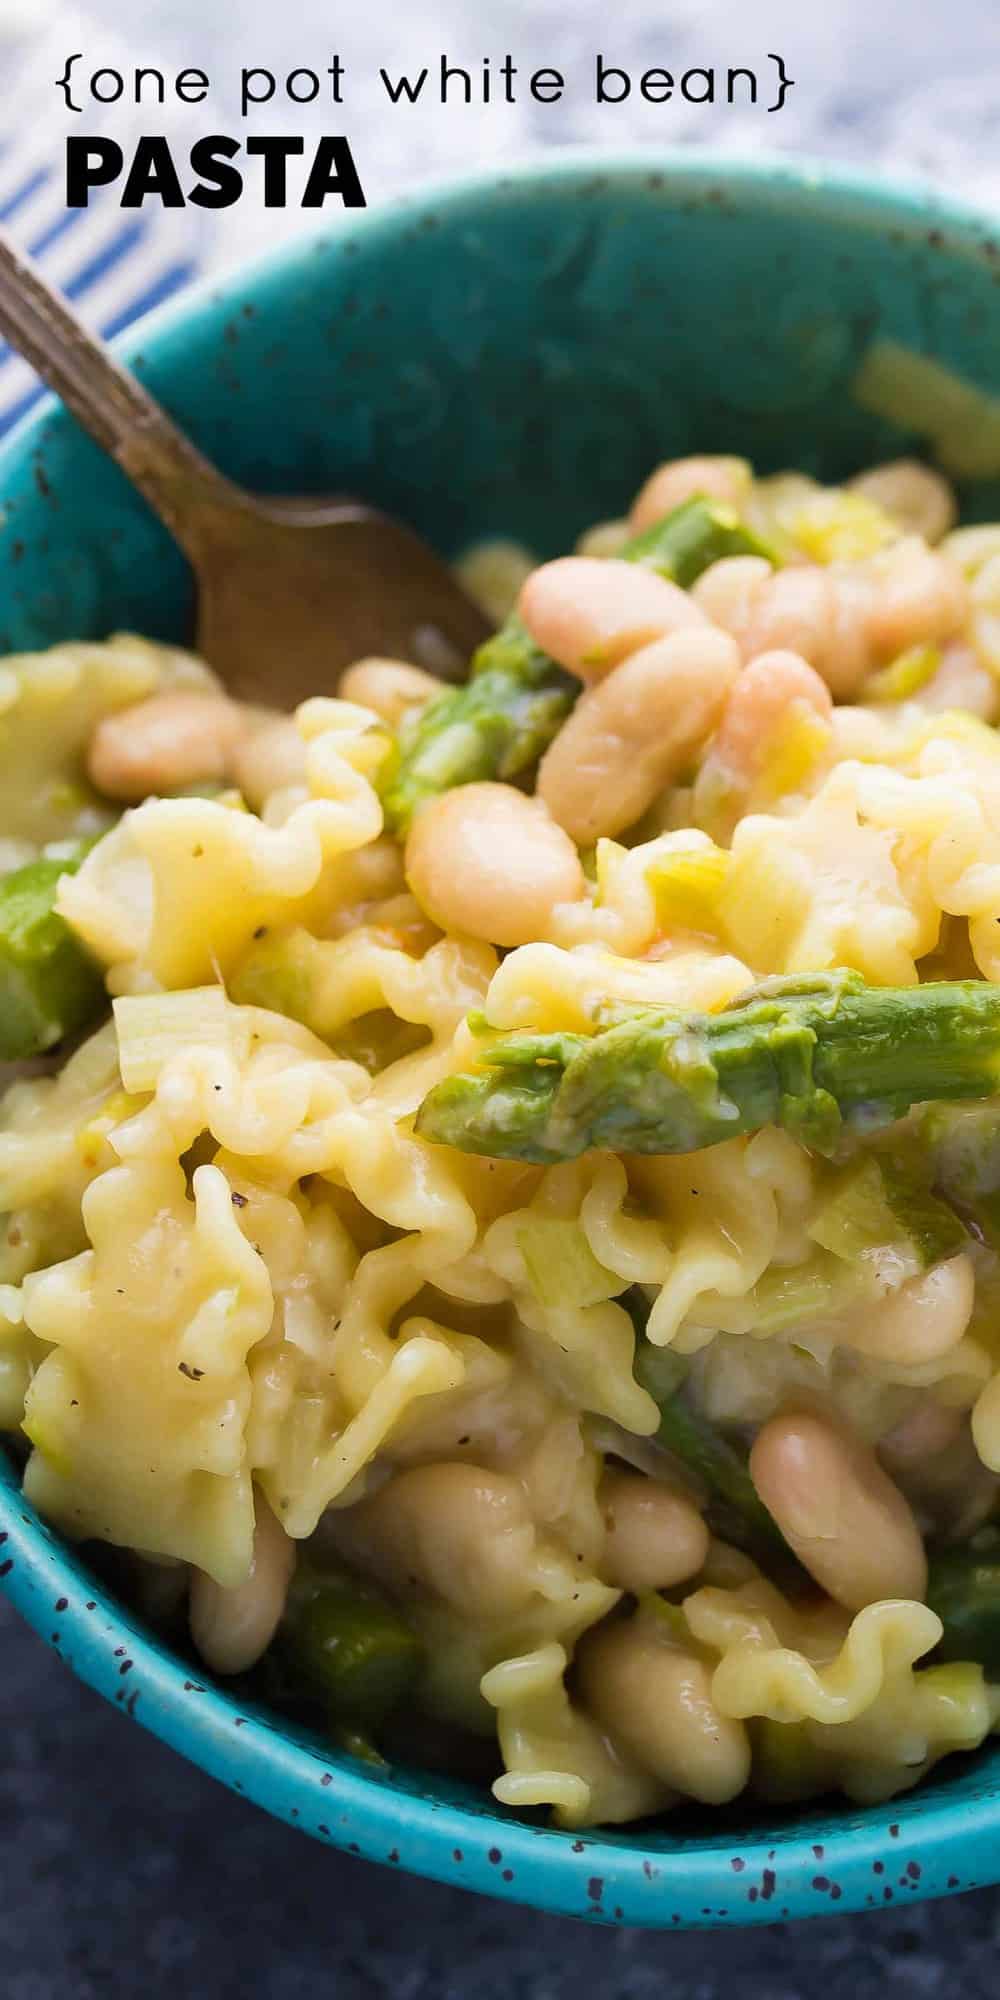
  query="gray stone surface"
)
[{"x": 127, "y": 1875}]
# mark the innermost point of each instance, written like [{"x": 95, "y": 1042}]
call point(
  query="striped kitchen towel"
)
[{"x": 113, "y": 263}]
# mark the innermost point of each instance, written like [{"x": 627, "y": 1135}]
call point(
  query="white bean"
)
[
  {"x": 920, "y": 598},
  {"x": 926, "y": 1431},
  {"x": 919, "y": 499},
  {"x": 656, "y": 1537},
  {"x": 680, "y": 479},
  {"x": 181, "y": 737},
  {"x": 458, "y": 1532},
  {"x": 270, "y": 759},
  {"x": 636, "y": 731},
  {"x": 591, "y": 613},
  {"x": 605, "y": 538},
  {"x": 492, "y": 572},
  {"x": 922, "y": 1320},
  {"x": 839, "y": 1511},
  {"x": 392, "y": 689},
  {"x": 821, "y": 614},
  {"x": 961, "y": 681},
  {"x": 488, "y": 862},
  {"x": 655, "y": 1699},
  {"x": 767, "y": 695},
  {"x": 232, "y": 1628},
  {"x": 727, "y": 590}
]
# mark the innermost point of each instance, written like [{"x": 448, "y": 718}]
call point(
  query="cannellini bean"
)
[
  {"x": 919, "y": 499},
  {"x": 655, "y": 1699},
  {"x": 460, "y": 1532},
  {"x": 172, "y": 739},
  {"x": 232, "y": 1628},
  {"x": 818, "y": 613},
  {"x": 925, "y": 1431},
  {"x": 492, "y": 572},
  {"x": 920, "y": 598},
  {"x": 634, "y": 732},
  {"x": 839, "y": 1511},
  {"x": 605, "y": 538},
  {"x": 920, "y": 1321},
  {"x": 962, "y": 681},
  {"x": 589, "y": 613},
  {"x": 932, "y": 1455},
  {"x": 726, "y": 479},
  {"x": 727, "y": 591},
  {"x": 390, "y": 688},
  {"x": 656, "y": 1537},
  {"x": 270, "y": 759},
  {"x": 758, "y": 705},
  {"x": 490, "y": 863}
]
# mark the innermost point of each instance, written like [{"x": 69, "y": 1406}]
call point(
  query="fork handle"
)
[{"x": 183, "y": 488}]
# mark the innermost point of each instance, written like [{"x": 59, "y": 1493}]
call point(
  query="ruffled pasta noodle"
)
[{"x": 237, "y": 1282}]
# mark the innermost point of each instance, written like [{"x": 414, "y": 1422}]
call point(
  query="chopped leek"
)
[
  {"x": 802, "y": 1295},
  {"x": 963, "y": 1145},
  {"x": 561, "y": 1266},
  {"x": 667, "y": 1618},
  {"x": 905, "y": 676},
  {"x": 963, "y": 1142},
  {"x": 838, "y": 526},
  {"x": 918, "y": 394},
  {"x": 50, "y": 987},
  {"x": 802, "y": 738},
  {"x": 687, "y": 883},
  {"x": 278, "y": 973},
  {"x": 155, "y": 1027},
  {"x": 883, "y": 1204}
]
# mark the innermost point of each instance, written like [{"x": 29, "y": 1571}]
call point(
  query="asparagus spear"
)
[
  {"x": 734, "y": 1509},
  {"x": 964, "y": 1589},
  {"x": 517, "y": 698},
  {"x": 49, "y": 985},
  {"x": 809, "y": 1054},
  {"x": 348, "y": 1647}
]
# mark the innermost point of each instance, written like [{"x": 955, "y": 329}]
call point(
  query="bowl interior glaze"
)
[{"x": 513, "y": 355}]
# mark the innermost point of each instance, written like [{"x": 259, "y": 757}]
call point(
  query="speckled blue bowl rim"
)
[{"x": 833, "y": 1857}]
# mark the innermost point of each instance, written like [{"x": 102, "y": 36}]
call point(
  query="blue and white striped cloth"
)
[{"x": 113, "y": 263}]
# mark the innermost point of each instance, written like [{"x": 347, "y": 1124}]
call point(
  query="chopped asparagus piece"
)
[
  {"x": 517, "y": 698},
  {"x": 813, "y": 1055},
  {"x": 49, "y": 985},
  {"x": 348, "y": 1646},
  {"x": 734, "y": 1511},
  {"x": 689, "y": 540},
  {"x": 964, "y": 1589},
  {"x": 496, "y": 726}
]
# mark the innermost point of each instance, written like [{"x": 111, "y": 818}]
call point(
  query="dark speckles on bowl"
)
[{"x": 512, "y": 356}]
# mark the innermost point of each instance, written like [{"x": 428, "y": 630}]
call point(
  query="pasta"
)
[{"x": 427, "y": 1256}]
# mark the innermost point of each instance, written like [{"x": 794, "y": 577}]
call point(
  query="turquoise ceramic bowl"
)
[{"x": 512, "y": 354}]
